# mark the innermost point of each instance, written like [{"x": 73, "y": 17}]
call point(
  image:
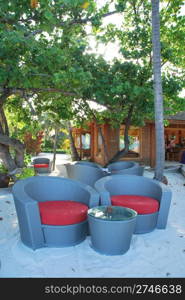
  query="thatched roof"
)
[{"x": 179, "y": 116}]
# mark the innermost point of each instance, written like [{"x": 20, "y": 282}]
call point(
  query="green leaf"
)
[{"x": 48, "y": 15}]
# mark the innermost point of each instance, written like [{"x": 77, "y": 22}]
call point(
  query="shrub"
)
[
  {"x": 27, "y": 159},
  {"x": 26, "y": 172},
  {"x": 3, "y": 169},
  {"x": 66, "y": 146},
  {"x": 33, "y": 145}
]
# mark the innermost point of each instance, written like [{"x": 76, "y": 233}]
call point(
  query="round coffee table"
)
[{"x": 111, "y": 228}]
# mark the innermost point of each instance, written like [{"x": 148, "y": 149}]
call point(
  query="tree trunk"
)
[
  {"x": 55, "y": 148},
  {"x": 6, "y": 158},
  {"x": 74, "y": 153},
  {"x": 103, "y": 143},
  {"x": 10, "y": 163},
  {"x": 19, "y": 158},
  {"x": 124, "y": 151},
  {"x": 5, "y": 142},
  {"x": 158, "y": 97}
]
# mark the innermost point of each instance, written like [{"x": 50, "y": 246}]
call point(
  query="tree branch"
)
[
  {"x": 38, "y": 31},
  {"x": 73, "y": 22},
  {"x": 123, "y": 152},
  {"x": 28, "y": 35},
  {"x": 99, "y": 130},
  {"x": 7, "y": 141},
  {"x": 32, "y": 110},
  {"x": 84, "y": 21},
  {"x": 4, "y": 121},
  {"x": 23, "y": 91},
  {"x": 74, "y": 153},
  {"x": 36, "y": 90},
  {"x": 1, "y": 128},
  {"x": 6, "y": 93}
]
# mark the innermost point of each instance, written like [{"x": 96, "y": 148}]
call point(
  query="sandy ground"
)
[{"x": 159, "y": 254}]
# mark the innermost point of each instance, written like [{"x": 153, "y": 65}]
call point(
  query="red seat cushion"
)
[
  {"x": 41, "y": 165},
  {"x": 142, "y": 204},
  {"x": 62, "y": 212}
]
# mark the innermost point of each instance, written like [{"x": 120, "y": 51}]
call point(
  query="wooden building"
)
[
  {"x": 90, "y": 145},
  {"x": 142, "y": 141}
]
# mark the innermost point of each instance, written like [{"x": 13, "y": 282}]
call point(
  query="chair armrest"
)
[
  {"x": 104, "y": 194},
  {"x": 28, "y": 216},
  {"x": 164, "y": 206},
  {"x": 19, "y": 192},
  {"x": 105, "y": 198},
  {"x": 94, "y": 197}
]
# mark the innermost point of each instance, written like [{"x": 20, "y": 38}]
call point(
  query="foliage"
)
[
  {"x": 40, "y": 45},
  {"x": 33, "y": 145},
  {"x": 134, "y": 37},
  {"x": 62, "y": 141},
  {"x": 47, "y": 144},
  {"x": 66, "y": 146},
  {"x": 36, "y": 60},
  {"x": 3, "y": 169},
  {"x": 26, "y": 172},
  {"x": 120, "y": 86},
  {"x": 27, "y": 159},
  {"x": 61, "y": 61}
]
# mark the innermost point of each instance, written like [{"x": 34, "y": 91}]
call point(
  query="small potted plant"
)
[{"x": 4, "y": 177}]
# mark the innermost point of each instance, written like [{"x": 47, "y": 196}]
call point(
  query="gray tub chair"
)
[
  {"x": 42, "y": 165},
  {"x": 121, "y": 165},
  {"x": 88, "y": 163},
  {"x": 32, "y": 193},
  {"x": 84, "y": 173},
  {"x": 126, "y": 190},
  {"x": 125, "y": 167},
  {"x": 136, "y": 170}
]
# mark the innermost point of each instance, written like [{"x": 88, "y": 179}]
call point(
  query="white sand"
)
[{"x": 160, "y": 253}]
